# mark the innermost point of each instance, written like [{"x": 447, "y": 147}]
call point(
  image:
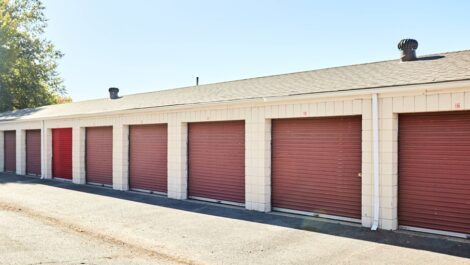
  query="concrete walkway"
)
[{"x": 151, "y": 229}]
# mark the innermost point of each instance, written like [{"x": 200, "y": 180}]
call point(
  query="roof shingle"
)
[{"x": 452, "y": 66}]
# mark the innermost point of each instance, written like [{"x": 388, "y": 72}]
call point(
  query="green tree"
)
[{"x": 28, "y": 62}]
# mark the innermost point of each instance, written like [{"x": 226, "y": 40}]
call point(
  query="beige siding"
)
[
  {"x": 78, "y": 155},
  {"x": 20, "y": 152},
  {"x": 120, "y": 156}
]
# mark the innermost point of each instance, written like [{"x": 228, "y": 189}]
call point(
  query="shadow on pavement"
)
[{"x": 434, "y": 243}]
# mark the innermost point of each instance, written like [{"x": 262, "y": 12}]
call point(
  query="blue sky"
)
[{"x": 148, "y": 45}]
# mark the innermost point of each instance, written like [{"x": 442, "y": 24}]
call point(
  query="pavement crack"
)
[{"x": 90, "y": 234}]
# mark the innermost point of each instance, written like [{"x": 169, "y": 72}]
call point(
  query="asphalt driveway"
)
[{"x": 54, "y": 222}]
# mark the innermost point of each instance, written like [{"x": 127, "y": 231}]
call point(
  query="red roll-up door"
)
[
  {"x": 62, "y": 153},
  {"x": 434, "y": 171},
  {"x": 33, "y": 152},
  {"x": 316, "y": 165},
  {"x": 148, "y": 157},
  {"x": 99, "y": 155},
  {"x": 217, "y": 161},
  {"x": 10, "y": 150}
]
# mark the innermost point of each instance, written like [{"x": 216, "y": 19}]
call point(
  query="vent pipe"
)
[
  {"x": 113, "y": 93},
  {"x": 408, "y": 49}
]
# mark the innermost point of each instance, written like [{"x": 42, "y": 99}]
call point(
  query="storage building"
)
[{"x": 384, "y": 144}]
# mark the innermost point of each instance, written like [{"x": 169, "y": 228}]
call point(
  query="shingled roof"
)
[{"x": 437, "y": 68}]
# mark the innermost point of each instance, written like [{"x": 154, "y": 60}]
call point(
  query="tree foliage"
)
[{"x": 28, "y": 62}]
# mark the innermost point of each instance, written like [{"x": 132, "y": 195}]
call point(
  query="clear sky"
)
[{"x": 148, "y": 45}]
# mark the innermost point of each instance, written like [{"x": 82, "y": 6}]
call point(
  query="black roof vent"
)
[
  {"x": 408, "y": 49},
  {"x": 113, "y": 93}
]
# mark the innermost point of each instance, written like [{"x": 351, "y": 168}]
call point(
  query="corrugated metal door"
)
[
  {"x": 148, "y": 157},
  {"x": 434, "y": 171},
  {"x": 216, "y": 152},
  {"x": 62, "y": 153},
  {"x": 316, "y": 165},
  {"x": 99, "y": 155},
  {"x": 33, "y": 152},
  {"x": 10, "y": 150}
]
